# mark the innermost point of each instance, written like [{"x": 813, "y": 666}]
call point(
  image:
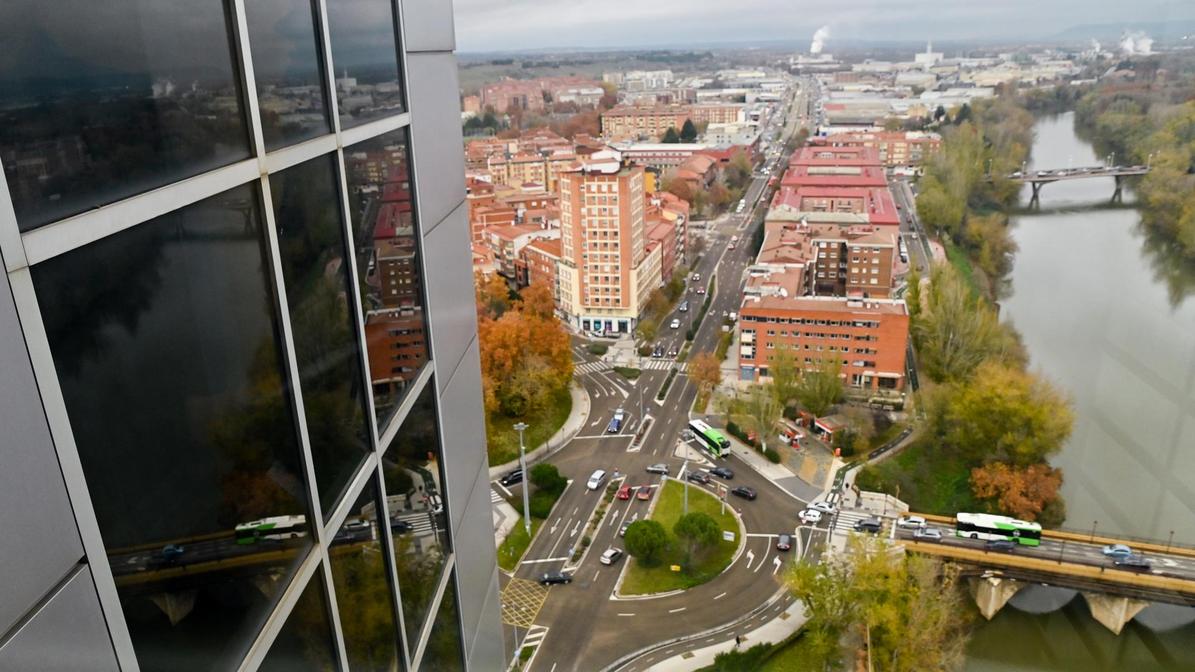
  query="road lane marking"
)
[
  {"x": 760, "y": 534},
  {"x": 750, "y": 558},
  {"x": 575, "y": 528},
  {"x": 776, "y": 562},
  {"x": 625, "y": 614},
  {"x": 676, "y": 611},
  {"x": 503, "y": 489},
  {"x": 533, "y": 562},
  {"x": 719, "y": 596}
]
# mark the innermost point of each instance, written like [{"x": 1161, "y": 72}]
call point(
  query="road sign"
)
[{"x": 727, "y": 535}]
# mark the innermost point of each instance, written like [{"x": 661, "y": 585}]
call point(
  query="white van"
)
[{"x": 596, "y": 480}]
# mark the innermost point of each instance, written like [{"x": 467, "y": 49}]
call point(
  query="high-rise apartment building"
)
[{"x": 236, "y": 309}]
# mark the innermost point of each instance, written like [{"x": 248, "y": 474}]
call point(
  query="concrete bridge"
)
[
  {"x": 1038, "y": 178},
  {"x": 1070, "y": 561}
]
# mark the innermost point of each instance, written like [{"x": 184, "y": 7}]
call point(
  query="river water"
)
[{"x": 1102, "y": 321}]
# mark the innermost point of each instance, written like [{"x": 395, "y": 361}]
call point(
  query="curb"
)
[{"x": 542, "y": 452}]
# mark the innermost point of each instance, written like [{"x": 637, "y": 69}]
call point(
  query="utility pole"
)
[{"x": 520, "y": 427}]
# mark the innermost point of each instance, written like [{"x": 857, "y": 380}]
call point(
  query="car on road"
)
[
  {"x": 784, "y": 542},
  {"x": 610, "y": 556},
  {"x": 698, "y": 477},
  {"x": 911, "y": 522},
  {"x": 700, "y": 290},
  {"x": 722, "y": 472},
  {"x": 622, "y": 531},
  {"x": 400, "y": 526},
  {"x": 999, "y": 545},
  {"x": 744, "y": 492},
  {"x": 674, "y": 324},
  {"x": 927, "y": 534},
  {"x": 644, "y": 493},
  {"x": 1117, "y": 551},
  {"x": 672, "y": 352},
  {"x": 730, "y": 245},
  {"x": 810, "y": 516},
  {"x": 684, "y": 307},
  {"x": 658, "y": 468},
  {"x": 172, "y": 552},
  {"x": 658, "y": 351},
  {"x": 615, "y": 425},
  {"x": 872, "y": 525},
  {"x": 552, "y": 578},
  {"x": 512, "y": 478},
  {"x": 596, "y": 479},
  {"x": 824, "y": 507},
  {"x": 1136, "y": 563},
  {"x": 625, "y": 491},
  {"x": 696, "y": 277}
]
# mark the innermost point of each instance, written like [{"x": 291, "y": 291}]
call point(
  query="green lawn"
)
[
  {"x": 515, "y": 544},
  {"x": 795, "y": 655},
  {"x": 504, "y": 440},
  {"x": 928, "y": 481},
  {"x": 642, "y": 580}
]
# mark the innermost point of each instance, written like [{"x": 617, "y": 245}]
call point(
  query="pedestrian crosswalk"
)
[
  {"x": 845, "y": 522},
  {"x": 647, "y": 365},
  {"x": 495, "y": 498},
  {"x": 422, "y": 523},
  {"x": 590, "y": 367},
  {"x": 535, "y": 635},
  {"x": 664, "y": 365}
]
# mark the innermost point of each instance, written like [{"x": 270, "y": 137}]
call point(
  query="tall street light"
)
[{"x": 520, "y": 427}]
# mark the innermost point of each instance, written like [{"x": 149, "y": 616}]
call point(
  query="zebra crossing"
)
[
  {"x": 535, "y": 635},
  {"x": 590, "y": 367},
  {"x": 845, "y": 522},
  {"x": 647, "y": 365},
  {"x": 420, "y": 522}
]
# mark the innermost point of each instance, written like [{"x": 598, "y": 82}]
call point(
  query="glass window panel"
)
[
  {"x": 314, "y": 269},
  {"x": 166, "y": 346},
  {"x": 363, "y": 594},
  {"x": 286, "y": 67},
  {"x": 305, "y": 643},
  {"x": 444, "y": 652},
  {"x": 103, "y": 100},
  {"x": 414, "y": 497},
  {"x": 364, "y": 59},
  {"x": 388, "y": 265}
]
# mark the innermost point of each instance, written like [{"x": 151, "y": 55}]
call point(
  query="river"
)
[{"x": 1100, "y": 321}]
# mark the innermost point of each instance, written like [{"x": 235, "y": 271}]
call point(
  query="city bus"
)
[
  {"x": 987, "y": 526},
  {"x": 275, "y": 527},
  {"x": 715, "y": 444}
]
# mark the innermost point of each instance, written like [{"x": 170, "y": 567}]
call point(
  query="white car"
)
[
  {"x": 810, "y": 516},
  {"x": 610, "y": 556},
  {"x": 675, "y": 324},
  {"x": 596, "y": 479},
  {"x": 927, "y": 534},
  {"x": 911, "y": 522},
  {"x": 824, "y": 507}
]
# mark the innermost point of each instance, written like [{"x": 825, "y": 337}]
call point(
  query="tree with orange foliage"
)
[
  {"x": 525, "y": 357},
  {"x": 1022, "y": 492},
  {"x": 537, "y": 301},
  {"x": 705, "y": 371},
  {"x": 493, "y": 296}
]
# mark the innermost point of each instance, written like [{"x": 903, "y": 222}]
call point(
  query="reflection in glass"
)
[
  {"x": 166, "y": 346},
  {"x": 305, "y": 643},
  {"x": 414, "y": 497},
  {"x": 314, "y": 269},
  {"x": 444, "y": 652},
  {"x": 103, "y": 100},
  {"x": 387, "y": 248},
  {"x": 364, "y": 59},
  {"x": 363, "y": 594},
  {"x": 286, "y": 67}
]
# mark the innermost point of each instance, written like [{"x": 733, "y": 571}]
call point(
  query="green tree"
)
[
  {"x": 647, "y": 329},
  {"x": 759, "y": 410},
  {"x": 688, "y": 132},
  {"x": 913, "y": 295},
  {"x": 738, "y": 172},
  {"x": 820, "y": 385},
  {"x": 646, "y": 540},
  {"x": 670, "y": 136},
  {"x": 957, "y": 331},
  {"x": 547, "y": 477},
  {"x": 697, "y": 531},
  {"x": 785, "y": 375}
]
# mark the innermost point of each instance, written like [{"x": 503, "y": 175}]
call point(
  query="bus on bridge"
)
[{"x": 988, "y": 526}]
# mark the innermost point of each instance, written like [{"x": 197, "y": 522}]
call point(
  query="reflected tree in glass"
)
[
  {"x": 305, "y": 643},
  {"x": 444, "y": 651}
]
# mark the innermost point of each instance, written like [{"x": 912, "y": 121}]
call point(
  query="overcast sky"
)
[{"x": 487, "y": 25}]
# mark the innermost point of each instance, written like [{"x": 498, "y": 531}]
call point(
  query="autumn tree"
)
[
  {"x": 705, "y": 371},
  {"x": 719, "y": 195},
  {"x": 524, "y": 360},
  {"x": 738, "y": 172},
  {"x": 537, "y": 301},
  {"x": 697, "y": 531},
  {"x": 493, "y": 296},
  {"x": 647, "y": 329},
  {"x": 678, "y": 187},
  {"x": 1022, "y": 492},
  {"x": 820, "y": 385}
]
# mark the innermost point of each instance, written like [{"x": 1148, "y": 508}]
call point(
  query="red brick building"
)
[
  {"x": 895, "y": 148},
  {"x": 540, "y": 258}
]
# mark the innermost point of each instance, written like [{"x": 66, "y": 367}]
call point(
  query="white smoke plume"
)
[
  {"x": 819, "y": 40},
  {"x": 1136, "y": 43},
  {"x": 1095, "y": 46}
]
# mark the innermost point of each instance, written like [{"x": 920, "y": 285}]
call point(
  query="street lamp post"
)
[
  {"x": 1170, "y": 541},
  {"x": 1093, "y": 524},
  {"x": 520, "y": 427}
]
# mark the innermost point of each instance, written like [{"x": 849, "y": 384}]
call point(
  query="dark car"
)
[
  {"x": 673, "y": 352},
  {"x": 999, "y": 545},
  {"x": 170, "y": 553},
  {"x": 657, "y": 351},
  {"x": 698, "y": 477},
  {"x": 644, "y": 492},
  {"x": 722, "y": 472},
  {"x": 550, "y": 578},
  {"x": 872, "y": 525},
  {"x": 399, "y": 526},
  {"x": 512, "y": 478},
  {"x": 1135, "y": 563},
  {"x": 744, "y": 492},
  {"x": 784, "y": 542}
]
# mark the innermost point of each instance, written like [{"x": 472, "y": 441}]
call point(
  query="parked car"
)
[
  {"x": 744, "y": 492},
  {"x": 551, "y": 578},
  {"x": 512, "y": 478},
  {"x": 927, "y": 534},
  {"x": 824, "y": 507},
  {"x": 1117, "y": 551},
  {"x": 625, "y": 491},
  {"x": 911, "y": 522},
  {"x": 999, "y": 545},
  {"x": 872, "y": 525},
  {"x": 658, "y": 468},
  {"x": 1136, "y": 563},
  {"x": 784, "y": 542},
  {"x": 810, "y": 516},
  {"x": 674, "y": 324},
  {"x": 610, "y": 556},
  {"x": 596, "y": 479},
  {"x": 644, "y": 493},
  {"x": 698, "y": 477},
  {"x": 722, "y": 472}
]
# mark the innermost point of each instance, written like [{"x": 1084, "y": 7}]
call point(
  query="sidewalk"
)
[
  {"x": 781, "y": 474},
  {"x": 778, "y": 629},
  {"x": 571, "y": 427}
]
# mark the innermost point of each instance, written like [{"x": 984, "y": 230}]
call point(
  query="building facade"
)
[{"x": 236, "y": 309}]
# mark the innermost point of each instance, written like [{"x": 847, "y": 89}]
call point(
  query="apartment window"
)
[
  {"x": 364, "y": 59},
  {"x": 315, "y": 271},
  {"x": 288, "y": 71},
  {"x": 169, "y": 361},
  {"x": 73, "y": 135}
]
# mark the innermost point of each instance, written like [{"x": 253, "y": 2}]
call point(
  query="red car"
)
[
  {"x": 624, "y": 492},
  {"x": 644, "y": 492}
]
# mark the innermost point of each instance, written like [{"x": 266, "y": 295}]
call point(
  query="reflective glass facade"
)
[{"x": 222, "y": 306}]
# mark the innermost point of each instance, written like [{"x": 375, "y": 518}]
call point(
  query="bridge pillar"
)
[
  {"x": 991, "y": 593},
  {"x": 1111, "y": 611},
  {"x": 176, "y": 606}
]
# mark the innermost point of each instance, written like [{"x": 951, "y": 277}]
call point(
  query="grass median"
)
[
  {"x": 658, "y": 578},
  {"x": 515, "y": 544}
]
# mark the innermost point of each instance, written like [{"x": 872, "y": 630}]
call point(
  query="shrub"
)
[
  {"x": 547, "y": 478},
  {"x": 541, "y": 503},
  {"x": 772, "y": 455},
  {"x": 667, "y": 383},
  {"x": 645, "y": 350},
  {"x": 586, "y": 541},
  {"x": 598, "y": 349},
  {"x": 627, "y": 372}
]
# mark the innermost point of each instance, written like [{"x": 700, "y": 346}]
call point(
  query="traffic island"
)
[{"x": 668, "y": 573}]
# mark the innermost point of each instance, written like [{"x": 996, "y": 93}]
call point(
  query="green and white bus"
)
[
  {"x": 715, "y": 444},
  {"x": 987, "y": 526},
  {"x": 275, "y": 527}
]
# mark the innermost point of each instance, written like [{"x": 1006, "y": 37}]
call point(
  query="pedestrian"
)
[{"x": 738, "y": 640}]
